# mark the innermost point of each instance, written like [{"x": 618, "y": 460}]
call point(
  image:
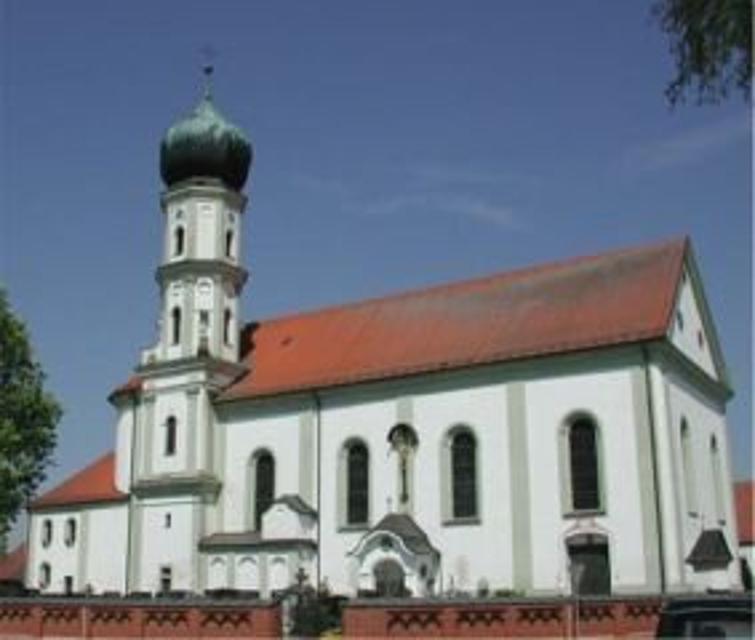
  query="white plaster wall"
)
[
  {"x": 175, "y": 546},
  {"x": 705, "y": 419},
  {"x": 123, "y": 442},
  {"x": 248, "y": 573},
  {"x": 608, "y": 397},
  {"x": 483, "y": 409},
  {"x": 245, "y": 432},
  {"x": 282, "y": 522},
  {"x": 684, "y": 335},
  {"x": 106, "y": 534},
  {"x": 63, "y": 559},
  {"x": 435, "y": 411},
  {"x": 170, "y": 403},
  {"x": 207, "y": 229}
]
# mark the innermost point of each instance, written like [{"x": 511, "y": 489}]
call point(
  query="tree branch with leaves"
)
[
  {"x": 28, "y": 417},
  {"x": 711, "y": 42}
]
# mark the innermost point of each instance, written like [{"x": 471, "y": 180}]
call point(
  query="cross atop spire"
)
[{"x": 208, "y": 70}]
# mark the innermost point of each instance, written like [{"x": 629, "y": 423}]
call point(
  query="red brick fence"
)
[
  {"x": 555, "y": 618},
  {"x": 111, "y": 618}
]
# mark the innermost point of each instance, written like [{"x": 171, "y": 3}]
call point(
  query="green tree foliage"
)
[
  {"x": 28, "y": 416},
  {"x": 711, "y": 41}
]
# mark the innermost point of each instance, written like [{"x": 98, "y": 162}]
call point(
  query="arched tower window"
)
[
  {"x": 171, "y": 426},
  {"x": 179, "y": 238},
  {"x": 227, "y": 327},
  {"x": 357, "y": 483},
  {"x": 229, "y": 244},
  {"x": 175, "y": 325},
  {"x": 583, "y": 465},
  {"x": 264, "y": 486},
  {"x": 690, "y": 488},
  {"x": 464, "y": 475}
]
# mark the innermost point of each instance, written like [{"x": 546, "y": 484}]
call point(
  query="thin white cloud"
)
[
  {"x": 467, "y": 175},
  {"x": 327, "y": 186},
  {"x": 449, "y": 203},
  {"x": 687, "y": 147}
]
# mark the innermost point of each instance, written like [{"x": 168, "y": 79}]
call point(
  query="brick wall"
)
[
  {"x": 614, "y": 617},
  {"x": 95, "y": 618}
]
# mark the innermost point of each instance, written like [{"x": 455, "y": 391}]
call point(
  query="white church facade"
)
[{"x": 536, "y": 432}]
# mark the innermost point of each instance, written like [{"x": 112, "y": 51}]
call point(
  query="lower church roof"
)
[{"x": 93, "y": 484}]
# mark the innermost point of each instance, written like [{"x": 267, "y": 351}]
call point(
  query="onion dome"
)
[{"x": 205, "y": 145}]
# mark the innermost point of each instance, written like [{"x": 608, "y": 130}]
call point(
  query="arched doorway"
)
[{"x": 389, "y": 579}]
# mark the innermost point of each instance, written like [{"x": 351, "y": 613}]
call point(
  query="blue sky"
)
[{"x": 398, "y": 144}]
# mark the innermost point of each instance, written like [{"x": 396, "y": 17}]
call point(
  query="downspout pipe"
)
[{"x": 654, "y": 465}]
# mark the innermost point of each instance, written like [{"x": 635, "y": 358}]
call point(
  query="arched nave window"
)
[
  {"x": 357, "y": 483},
  {"x": 464, "y": 474},
  {"x": 263, "y": 485},
  {"x": 584, "y": 466}
]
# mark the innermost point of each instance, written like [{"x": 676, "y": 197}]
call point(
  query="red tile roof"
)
[
  {"x": 743, "y": 498},
  {"x": 132, "y": 385},
  {"x": 95, "y": 483},
  {"x": 620, "y": 297},
  {"x": 13, "y": 565}
]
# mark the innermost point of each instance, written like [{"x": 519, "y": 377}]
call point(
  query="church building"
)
[{"x": 543, "y": 431}]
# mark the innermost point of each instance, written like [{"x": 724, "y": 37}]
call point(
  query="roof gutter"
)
[{"x": 654, "y": 465}]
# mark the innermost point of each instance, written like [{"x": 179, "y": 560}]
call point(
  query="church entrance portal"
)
[{"x": 389, "y": 579}]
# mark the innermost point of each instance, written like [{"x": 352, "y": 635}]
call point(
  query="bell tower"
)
[{"x": 204, "y": 164}]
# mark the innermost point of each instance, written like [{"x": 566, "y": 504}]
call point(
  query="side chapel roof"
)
[{"x": 93, "y": 484}]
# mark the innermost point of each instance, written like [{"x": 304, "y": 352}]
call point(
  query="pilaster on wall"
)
[
  {"x": 646, "y": 461},
  {"x": 520, "y": 487},
  {"x": 671, "y": 517}
]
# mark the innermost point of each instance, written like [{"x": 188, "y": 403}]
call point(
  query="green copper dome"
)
[{"x": 205, "y": 145}]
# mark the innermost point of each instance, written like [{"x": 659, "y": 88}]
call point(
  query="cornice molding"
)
[{"x": 190, "y": 269}]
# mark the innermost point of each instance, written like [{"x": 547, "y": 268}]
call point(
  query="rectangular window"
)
[
  {"x": 68, "y": 585},
  {"x": 166, "y": 579}
]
